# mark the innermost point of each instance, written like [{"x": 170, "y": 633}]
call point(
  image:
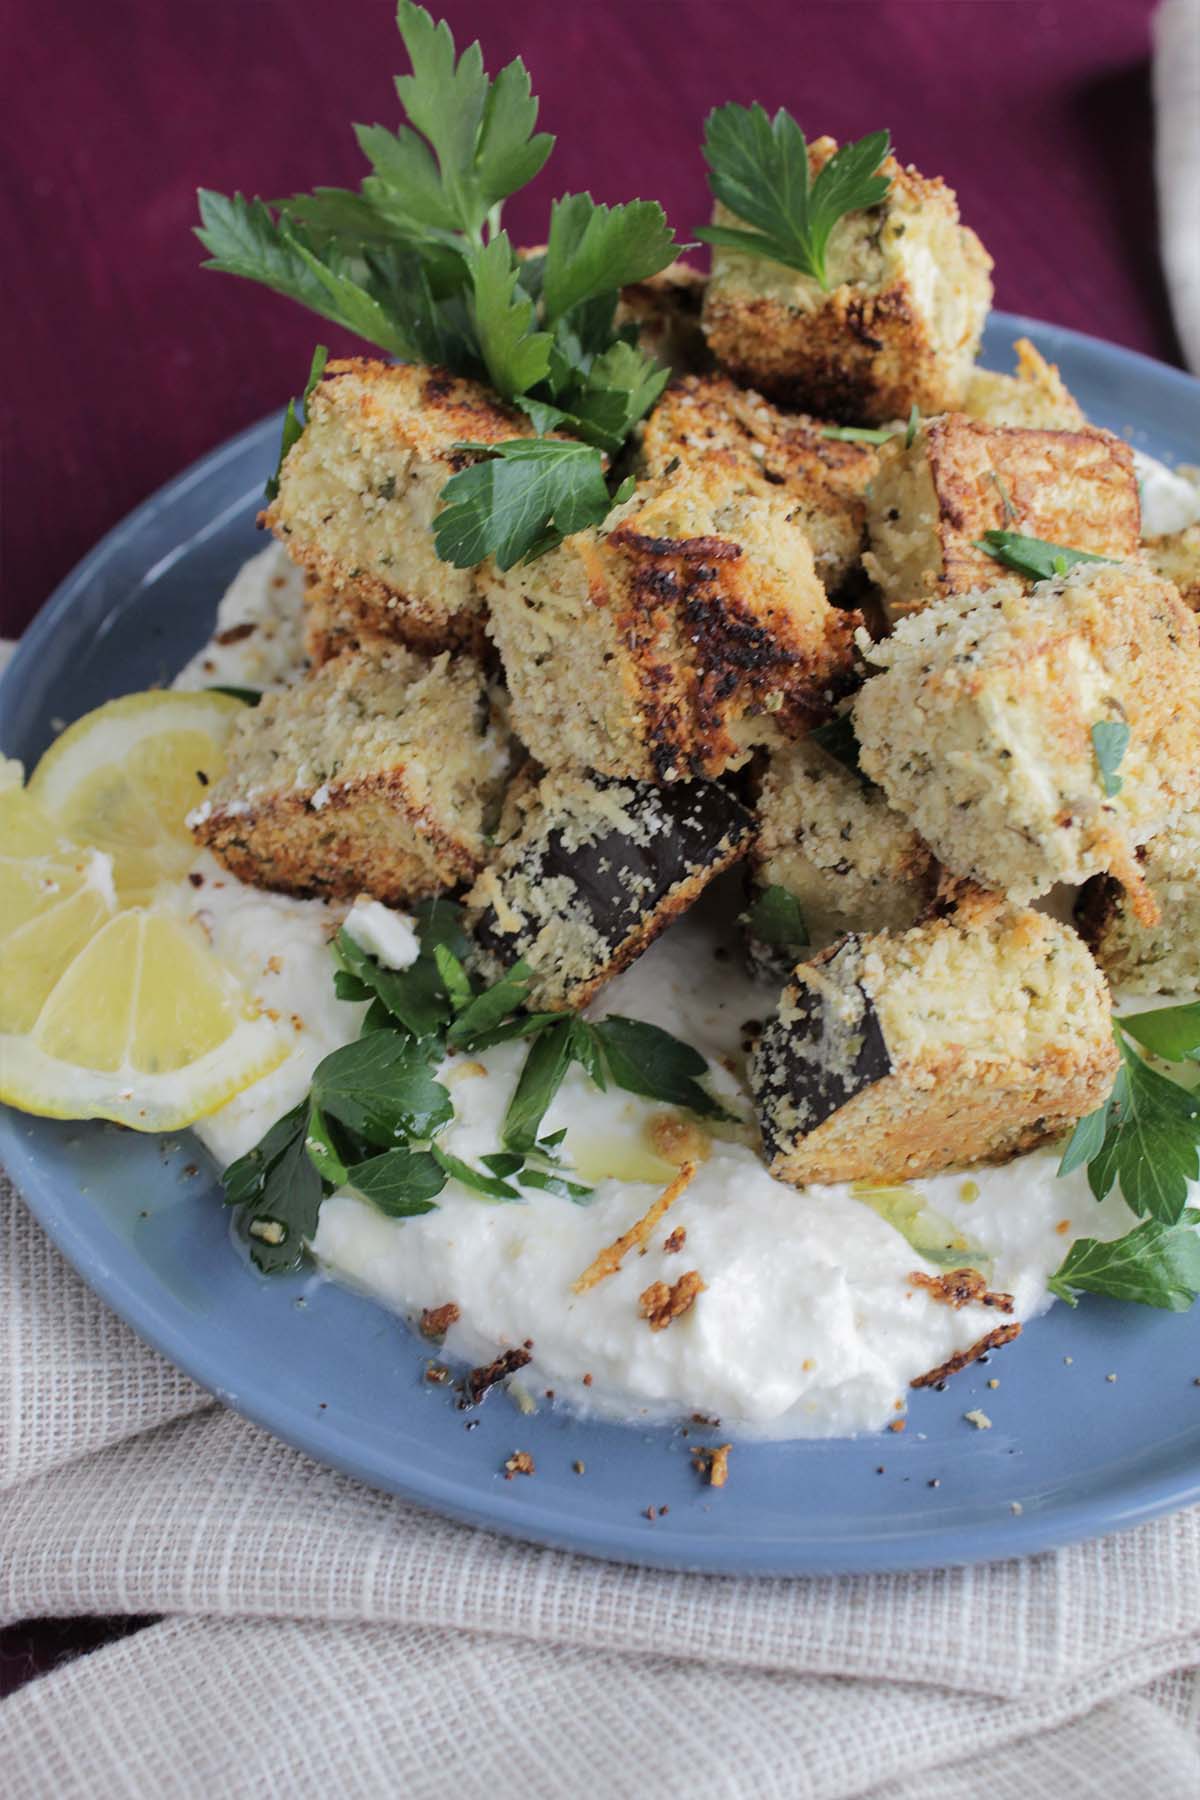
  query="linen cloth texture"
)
[
  {"x": 1176, "y": 82},
  {"x": 323, "y": 1635}
]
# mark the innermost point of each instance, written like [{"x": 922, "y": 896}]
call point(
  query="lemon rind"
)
[{"x": 49, "y": 1088}]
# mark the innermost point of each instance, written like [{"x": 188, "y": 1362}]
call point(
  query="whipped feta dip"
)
[
  {"x": 811, "y": 1321},
  {"x": 1170, "y": 498},
  {"x": 258, "y": 638}
]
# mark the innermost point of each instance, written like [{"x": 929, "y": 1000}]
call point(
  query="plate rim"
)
[{"x": 146, "y": 1309}]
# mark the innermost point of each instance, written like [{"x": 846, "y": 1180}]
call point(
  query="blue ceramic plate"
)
[{"x": 342, "y": 1379}]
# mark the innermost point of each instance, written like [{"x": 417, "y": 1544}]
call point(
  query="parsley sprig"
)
[
  {"x": 415, "y": 261},
  {"x": 759, "y": 170},
  {"x": 375, "y": 1110},
  {"x": 1145, "y": 1139}
]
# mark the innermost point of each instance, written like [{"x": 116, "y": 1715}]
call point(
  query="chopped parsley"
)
[
  {"x": 837, "y": 738},
  {"x": 1170, "y": 1032},
  {"x": 1153, "y": 1265},
  {"x": 759, "y": 170},
  {"x": 860, "y": 434},
  {"x": 1110, "y": 741},
  {"x": 548, "y": 1059},
  {"x": 277, "y": 1189},
  {"x": 1032, "y": 556},
  {"x": 247, "y": 696},
  {"x": 876, "y": 434},
  {"x": 525, "y": 497}
]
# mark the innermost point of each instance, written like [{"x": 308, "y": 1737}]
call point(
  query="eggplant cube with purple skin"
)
[
  {"x": 974, "y": 1036},
  {"x": 590, "y": 873}
]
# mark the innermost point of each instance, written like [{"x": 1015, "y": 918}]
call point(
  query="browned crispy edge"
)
[
  {"x": 728, "y": 645},
  {"x": 369, "y": 603},
  {"x": 1003, "y": 1334},
  {"x": 229, "y": 836}
]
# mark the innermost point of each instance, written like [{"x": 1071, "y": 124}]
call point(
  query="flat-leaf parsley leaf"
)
[
  {"x": 776, "y": 919},
  {"x": 1154, "y": 1265},
  {"x": 759, "y": 170},
  {"x": 524, "y": 497},
  {"x": 1145, "y": 1138}
]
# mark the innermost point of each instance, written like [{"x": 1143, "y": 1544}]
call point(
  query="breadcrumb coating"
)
[
  {"x": 826, "y": 477},
  {"x": 665, "y": 645},
  {"x": 933, "y": 499},
  {"x": 378, "y": 774},
  {"x": 973, "y": 1036},
  {"x": 1163, "y": 958},
  {"x": 834, "y": 843},
  {"x": 899, "y": 327},
  {"x": 359, "y": 491},
  {"x": 979, "y": 730},
  {"x": 1176, "y": 556},
  {"x": 1035, "y": 397},
  {"x": 591, "y": 871}
]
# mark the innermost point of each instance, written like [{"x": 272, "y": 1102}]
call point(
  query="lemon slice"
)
[
  {"x": 54, "y": 897},
  {"x": 123, "y": 779},
  {"x": 144, "y": 1025}
]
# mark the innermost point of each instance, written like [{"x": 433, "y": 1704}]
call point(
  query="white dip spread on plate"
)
[
  {"x": 810, "y": 1322},
  {"x": 1170, "y": 500}
]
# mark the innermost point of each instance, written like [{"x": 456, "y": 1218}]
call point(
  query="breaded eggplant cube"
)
[
  {"x": 666, "y": 310},
  {"x": 898, "y": 327},
  {"x": 998, "y": 727},
  {"x": 668, "y": 643},
  {"x": 973, "y": 1036},
  {"x": 380, "y": 774},
  {"x": 593, "y": 869},
  {"x": 825, "y": 477},
  {"x": 933, "y": 498},
  {"x": 1176, "y": 556},
  {"x": 359, "y": 490},
  {"x": 830, "y": 839},
  {"x": 1151, "y": 959},
  {"x": 1035, "y": 397}
]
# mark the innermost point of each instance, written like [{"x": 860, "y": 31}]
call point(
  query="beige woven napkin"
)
[{"x": 322, "y": 1633}]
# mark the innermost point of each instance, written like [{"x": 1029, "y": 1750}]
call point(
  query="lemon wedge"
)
[
  {"x": 144, "y": 1026},
  {"x": 109, "y": 1009},
  {"x": 123, "y": 779}
]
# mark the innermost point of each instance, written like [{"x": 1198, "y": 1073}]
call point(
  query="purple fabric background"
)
[{"x": 124, "y": 360}]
